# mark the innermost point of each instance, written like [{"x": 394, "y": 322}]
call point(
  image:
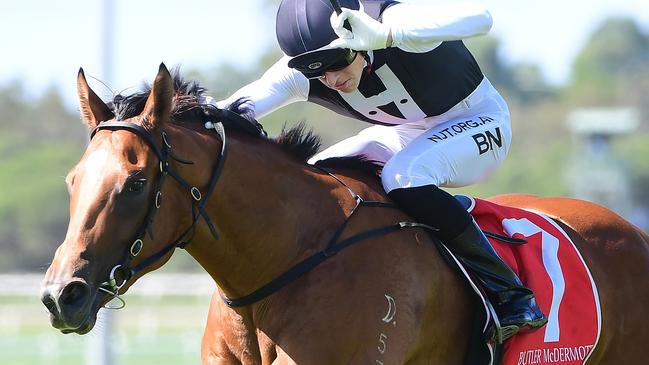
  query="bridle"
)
[{"x": 123, "y": 272}]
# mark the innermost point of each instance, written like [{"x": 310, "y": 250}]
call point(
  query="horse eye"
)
[{"x": 136, "y": 186}]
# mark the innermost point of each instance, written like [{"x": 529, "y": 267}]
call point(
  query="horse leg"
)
[{"x": 230, "y": 339}]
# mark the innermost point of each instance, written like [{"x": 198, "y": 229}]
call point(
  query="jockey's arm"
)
[
  {"x": 412, "y": 28},
  {"x": 420, "y": 28},
  {"x": 276, "y": 88}
]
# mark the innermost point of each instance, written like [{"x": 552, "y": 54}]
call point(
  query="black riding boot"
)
[{"x": 514, "y": 303}]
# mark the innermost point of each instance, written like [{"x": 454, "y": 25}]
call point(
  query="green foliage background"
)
[{"x": 40, "y": 140}]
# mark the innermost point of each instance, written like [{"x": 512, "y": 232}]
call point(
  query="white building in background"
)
[{"x": 595, "y": 173}]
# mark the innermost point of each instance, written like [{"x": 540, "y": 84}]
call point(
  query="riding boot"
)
[{"x": 514, "y": 303}]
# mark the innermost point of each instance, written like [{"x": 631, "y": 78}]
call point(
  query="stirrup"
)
[{"x": 497, "y": 333}]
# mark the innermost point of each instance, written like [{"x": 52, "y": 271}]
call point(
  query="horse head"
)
[
  {"x": 115, "y": 193},
  {"x": 134, "y": 198}
]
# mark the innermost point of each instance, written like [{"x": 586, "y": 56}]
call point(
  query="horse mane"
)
[
  {"x": 302, "y": 143},
  {"x": 189, "y": 105}
]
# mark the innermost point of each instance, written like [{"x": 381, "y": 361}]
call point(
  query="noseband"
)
[{"x": 122, "y": 272}]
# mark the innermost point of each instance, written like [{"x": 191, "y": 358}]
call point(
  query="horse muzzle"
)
[{"x": 69, "y": 305}]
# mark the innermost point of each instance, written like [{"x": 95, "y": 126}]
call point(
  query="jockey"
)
[{"x": 438, "y": 120}]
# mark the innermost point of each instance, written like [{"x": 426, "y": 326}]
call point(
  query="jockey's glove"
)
[{"x": 367, "y": 33}]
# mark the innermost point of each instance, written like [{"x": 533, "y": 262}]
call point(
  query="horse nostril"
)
[
  {"x": 50, "y": 303},
  {"x": 74, "y": 294}
]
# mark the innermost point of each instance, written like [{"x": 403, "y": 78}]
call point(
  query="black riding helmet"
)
[{"x": 304, "y": 31}]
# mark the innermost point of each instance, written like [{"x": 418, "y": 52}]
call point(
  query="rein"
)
[
  {"x": 122, "y": 272},
  {"x": 332, "y": 249}
]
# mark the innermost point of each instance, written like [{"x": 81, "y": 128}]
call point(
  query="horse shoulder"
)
[{"x": 397, "y": 279}]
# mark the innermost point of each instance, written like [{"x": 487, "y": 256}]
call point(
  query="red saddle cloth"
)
[{"x": 551, "y": 266}]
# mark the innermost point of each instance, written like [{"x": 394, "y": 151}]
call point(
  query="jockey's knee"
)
[
  {"x": 377, "y": 151},
  {"x": 358, "y": 145},
  {"x": 399, "y": 174}
]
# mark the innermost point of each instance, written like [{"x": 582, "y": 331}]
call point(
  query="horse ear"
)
[
  {"x": 158, "y": 104},
  {"x": 93, "y": 109}
]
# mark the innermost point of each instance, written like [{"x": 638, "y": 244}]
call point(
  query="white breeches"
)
[{"x": 457, "y": 148}]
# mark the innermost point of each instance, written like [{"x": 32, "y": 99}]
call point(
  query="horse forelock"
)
[{"x": 186, "y": 101}]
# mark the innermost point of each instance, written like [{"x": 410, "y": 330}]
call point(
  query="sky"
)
[{"x": 43, "y": 43}]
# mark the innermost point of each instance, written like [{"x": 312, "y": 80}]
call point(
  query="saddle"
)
[{"x": 547, "y": 261}]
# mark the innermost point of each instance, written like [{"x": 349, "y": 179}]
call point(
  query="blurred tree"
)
[
  {"x": 522, "y": 82},
  {"x": 613, "y": 59},
  {"x": 39, "y": 142},
  {"x": 612, "y": 70}
]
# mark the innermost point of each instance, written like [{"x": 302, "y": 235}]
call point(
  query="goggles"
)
[{"x": 315, "y": 63}]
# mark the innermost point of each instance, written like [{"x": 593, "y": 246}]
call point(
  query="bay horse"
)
[{"x": 153, "y": 178}]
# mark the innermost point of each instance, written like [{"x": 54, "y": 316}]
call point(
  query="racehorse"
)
[{"x": 153, "y": 178}]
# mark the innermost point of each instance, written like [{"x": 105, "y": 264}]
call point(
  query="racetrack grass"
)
[{"x": 152, "y": 330}]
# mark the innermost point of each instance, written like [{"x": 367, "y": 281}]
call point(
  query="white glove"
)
[{"x": 367, "y": 33}]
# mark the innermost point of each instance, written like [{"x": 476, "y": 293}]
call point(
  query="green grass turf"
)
[{"x": 150, "y": 330}]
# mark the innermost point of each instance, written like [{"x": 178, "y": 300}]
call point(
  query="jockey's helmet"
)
[{"x": 304, "y": 32}]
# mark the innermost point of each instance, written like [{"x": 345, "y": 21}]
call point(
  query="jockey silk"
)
[{"x": 440, "y": 120}]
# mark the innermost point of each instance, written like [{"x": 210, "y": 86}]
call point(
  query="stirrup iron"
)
[{"x": 497, "y": 333}]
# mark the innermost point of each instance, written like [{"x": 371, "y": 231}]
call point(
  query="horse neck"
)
[{"x": 271, "y": 211}]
